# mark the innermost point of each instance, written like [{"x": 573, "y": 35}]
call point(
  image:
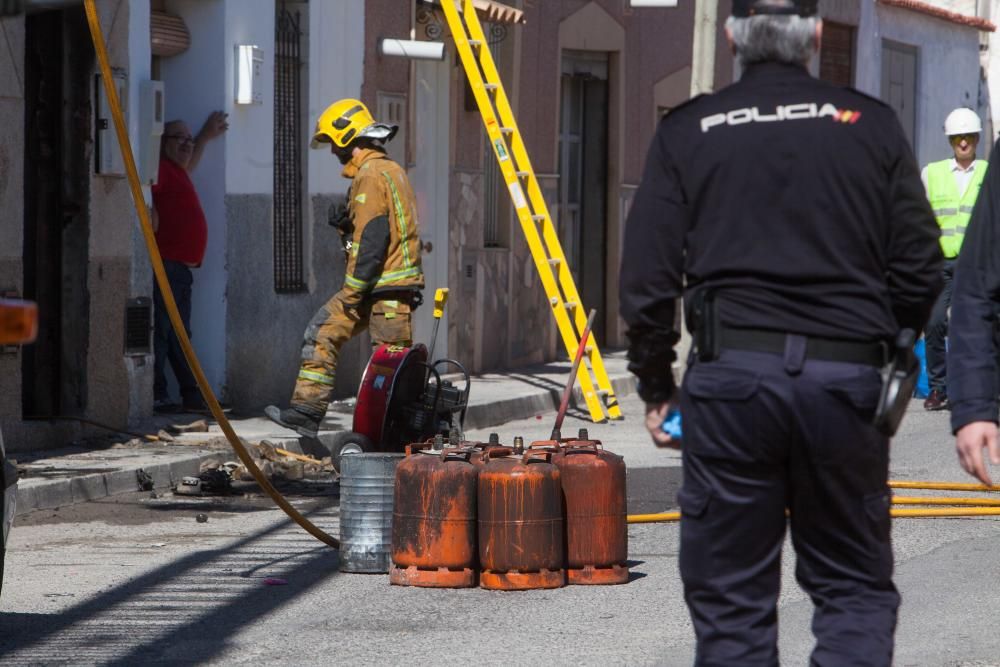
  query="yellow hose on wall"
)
[{"x": 168, "y": 297}]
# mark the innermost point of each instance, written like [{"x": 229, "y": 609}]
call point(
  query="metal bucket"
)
[{"x": 366, "y": 489}]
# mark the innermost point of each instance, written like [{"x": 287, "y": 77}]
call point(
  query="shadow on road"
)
[{"x": 184, "y": 612}]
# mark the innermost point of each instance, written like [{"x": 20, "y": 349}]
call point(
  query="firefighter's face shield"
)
[{"x": 321, "y": 140}]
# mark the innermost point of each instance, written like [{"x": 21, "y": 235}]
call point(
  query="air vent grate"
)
[{"x": 138, "y": 325}]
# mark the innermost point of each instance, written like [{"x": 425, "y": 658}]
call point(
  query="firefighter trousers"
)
[{"x": 387, "y": 319}]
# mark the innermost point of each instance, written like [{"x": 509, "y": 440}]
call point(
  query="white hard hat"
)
[{"x": 962, "y": 121}]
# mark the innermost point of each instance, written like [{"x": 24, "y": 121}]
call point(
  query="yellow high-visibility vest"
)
[{"x": 952, "y": 209}]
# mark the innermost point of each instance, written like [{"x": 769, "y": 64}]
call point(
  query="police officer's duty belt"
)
[{"x": 820, "y": 349}]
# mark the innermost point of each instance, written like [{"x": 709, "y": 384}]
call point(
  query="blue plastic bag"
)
[{"x": 923, "y": 386}]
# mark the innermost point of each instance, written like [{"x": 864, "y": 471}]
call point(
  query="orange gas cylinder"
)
[
  {"x": 434, "y": 518},
  {"x": 520, "y": 521},
  {"x": 593, "y": 486}
]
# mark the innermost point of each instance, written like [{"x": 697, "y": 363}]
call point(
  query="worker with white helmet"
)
[{"x": 952, "y": 188}]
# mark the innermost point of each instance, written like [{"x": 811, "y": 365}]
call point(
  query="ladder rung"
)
[
  {"x": 523, "y": 174},
  {"x": 475, "y": 42},
  {"x": 537, "y": 217},
  {"x": 554, "y": 261},
  {"x": 490, "y": 86},
  {"x": 507, "y": 130},
  {"x": 570, "y": 305},
  {"x": 603, "y": 393}
]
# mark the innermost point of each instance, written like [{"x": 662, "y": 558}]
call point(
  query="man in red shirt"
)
[{"x": 181, "y": 234}]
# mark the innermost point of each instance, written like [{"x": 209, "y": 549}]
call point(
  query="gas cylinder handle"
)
[
  {"x": 493, "y": 451},
  {"x": 542, "y": 455},
  {"x": 584, "y": 448},
  {"x": 544, "y": 446},
  {"x": 453, "y": 453},
  {"x": 415, "y": 447}
]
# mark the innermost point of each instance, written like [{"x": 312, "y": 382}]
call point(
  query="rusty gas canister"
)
[
  {"x": 520, "y": 521},
  {"x": 593, "y": 486},
  {"x": 434, "y": 519}
]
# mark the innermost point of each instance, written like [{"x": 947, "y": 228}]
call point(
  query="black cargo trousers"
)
[{"x": 765, "y": 432}]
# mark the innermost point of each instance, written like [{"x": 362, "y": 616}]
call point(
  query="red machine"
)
[{"x": 404, "y": 399}]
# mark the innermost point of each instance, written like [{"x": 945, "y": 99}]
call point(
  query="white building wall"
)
[
  {"x": 948, "y": 69},
  {"x": 196, "y": 83},
  {"x": 237, "y": 316},
  {"x": 249, "y": 154},
  {"x": 336, "y": 70}
]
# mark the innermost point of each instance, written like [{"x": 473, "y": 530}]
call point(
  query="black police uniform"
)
[
  {"x": 975, "y": 325},
  {"x": 797, "y": 207}
]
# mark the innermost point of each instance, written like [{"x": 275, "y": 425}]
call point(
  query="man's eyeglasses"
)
[
  {"x": 958, "y": 138},
  {"x": 181, "y": 138}
]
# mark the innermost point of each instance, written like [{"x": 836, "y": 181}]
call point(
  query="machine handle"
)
[{"x": 440, "y": 298}]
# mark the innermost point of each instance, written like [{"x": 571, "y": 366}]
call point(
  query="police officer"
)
[
  {"x": 383, "y": 279},
  {"x": 790, "y": 215},
  {"x": 972, "y": 354}
]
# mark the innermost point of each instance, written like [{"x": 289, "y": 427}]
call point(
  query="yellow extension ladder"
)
[{"x": 512, "y": 156}]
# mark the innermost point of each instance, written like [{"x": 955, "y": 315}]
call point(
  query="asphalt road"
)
[{"x": 139, "y": 580}]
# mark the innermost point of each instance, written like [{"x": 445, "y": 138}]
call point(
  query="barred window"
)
[{"x": 289, "y": 274}]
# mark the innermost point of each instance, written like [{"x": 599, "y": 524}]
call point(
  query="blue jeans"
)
[{"x": 166, "y": 345}]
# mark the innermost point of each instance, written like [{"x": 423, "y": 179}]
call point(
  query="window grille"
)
[
  {"x": 288, "y": 251},
  {"x": 836, "y": 58}
]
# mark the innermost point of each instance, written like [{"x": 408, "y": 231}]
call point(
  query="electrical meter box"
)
[
  {"x": 151, "y": 111},
  {"x": 249, "y": 63},
  {"x": 108, "y": 156}
]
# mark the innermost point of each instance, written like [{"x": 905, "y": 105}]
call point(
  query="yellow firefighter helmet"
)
[{"x": 346, "y": 121}]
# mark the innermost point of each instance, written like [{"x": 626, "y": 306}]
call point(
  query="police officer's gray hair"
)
[{"x": 768, "y": 38}]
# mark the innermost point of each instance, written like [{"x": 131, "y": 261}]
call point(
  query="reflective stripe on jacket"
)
[
  {"x": 952, "y": 209},
  {"x": 385, "y": 253}
]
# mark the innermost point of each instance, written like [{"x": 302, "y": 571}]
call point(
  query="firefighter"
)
[
  {"x": 383, "y": 278},
  {"x": 790, "y": 215}
]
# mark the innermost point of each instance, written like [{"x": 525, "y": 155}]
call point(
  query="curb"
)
[
  {"x": 40, "y": 494},
  {"x": 535, "y": 402}
]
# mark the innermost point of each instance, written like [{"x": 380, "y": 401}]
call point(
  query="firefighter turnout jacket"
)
[
  {"x": 798, "y": 203},
  {"x": 953, "y": 208},
  {"x": 384, "y": 254}
]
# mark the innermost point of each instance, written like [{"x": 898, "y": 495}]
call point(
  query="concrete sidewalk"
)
[{"x": 78, "y": 474}]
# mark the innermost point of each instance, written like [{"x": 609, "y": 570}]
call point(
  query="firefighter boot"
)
[{"x": 300, "y": 422}]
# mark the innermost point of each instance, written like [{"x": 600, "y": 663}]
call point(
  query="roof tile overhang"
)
[
  {"x": 944, "y": 14},
  {"x": 490, "y": 10}
]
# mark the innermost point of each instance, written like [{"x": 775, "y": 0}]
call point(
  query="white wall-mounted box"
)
[{"x": 108, "y": 156}]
